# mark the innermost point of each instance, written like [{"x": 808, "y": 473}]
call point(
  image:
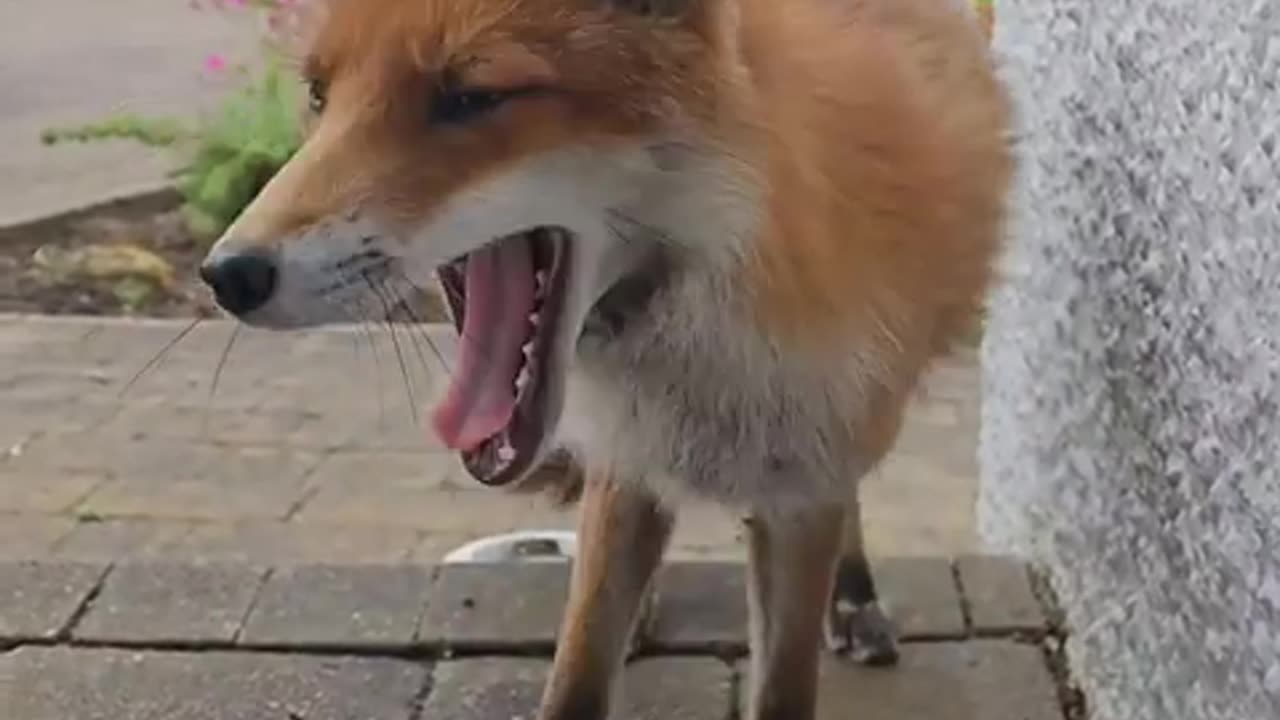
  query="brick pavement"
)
[
  {"x": 309, "y": 450},
  {"x": 148, "y": 640},
  {"x": 270, "y": 548}
]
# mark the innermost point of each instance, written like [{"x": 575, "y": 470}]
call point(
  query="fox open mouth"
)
[{"x": 506, "y": 300}]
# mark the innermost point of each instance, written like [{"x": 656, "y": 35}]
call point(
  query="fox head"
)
[
  {"x": 436, "y": 127},
  {"x": 531, "y": 152}
]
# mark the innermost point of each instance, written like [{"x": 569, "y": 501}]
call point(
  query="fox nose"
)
[{"x": 242, "y": 281}]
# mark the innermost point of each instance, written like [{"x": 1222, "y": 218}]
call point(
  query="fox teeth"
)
[{"x": 506, "y": 453}]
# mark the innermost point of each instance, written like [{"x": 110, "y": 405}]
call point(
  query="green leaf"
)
[
  {"x": 133, "y": 292},
  {"x": 202, "y": 226},
  {"x": 223, "y": 157},
  {"x": 153, "y": 132}
]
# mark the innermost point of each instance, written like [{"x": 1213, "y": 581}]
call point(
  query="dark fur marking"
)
[
  {"x": 853, "y": 580},
  {"x": 628, "y": 298}
]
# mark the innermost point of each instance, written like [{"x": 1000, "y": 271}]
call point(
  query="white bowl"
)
[{"x": 521, "y": 546}]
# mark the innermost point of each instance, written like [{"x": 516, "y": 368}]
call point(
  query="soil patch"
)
[
  {"x": 151, "y": 223},
  {"x": 131, "y": 257}
]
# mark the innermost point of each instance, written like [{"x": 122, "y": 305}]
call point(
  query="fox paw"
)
[{"x": 861, "y": 633}]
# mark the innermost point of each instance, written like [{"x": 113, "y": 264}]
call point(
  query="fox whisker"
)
[
  {"x": 395, "y": 343},
  {"x": 164, "y": 350},
  {"x": 217, "y": 373}
]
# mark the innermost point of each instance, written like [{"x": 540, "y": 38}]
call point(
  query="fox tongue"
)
[{"x": 482, "y": 395}]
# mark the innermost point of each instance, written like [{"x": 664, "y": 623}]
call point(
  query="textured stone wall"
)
[{"x": 1131, "y": 437}]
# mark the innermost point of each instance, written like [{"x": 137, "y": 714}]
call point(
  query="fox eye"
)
[
  {"x": 454, "y": 107},
  {"x": 317, "y": 96}
]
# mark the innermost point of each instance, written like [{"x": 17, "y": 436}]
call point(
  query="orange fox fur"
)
[{"x": 813, "y": 191}]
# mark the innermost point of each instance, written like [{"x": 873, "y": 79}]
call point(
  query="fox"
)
[{"x": 705, "y": 248}]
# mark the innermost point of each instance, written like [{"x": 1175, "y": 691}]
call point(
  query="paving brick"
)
[
  {"x": 14, "y": 434},
  {"x": 999, "y": 594},
  {"x": 894, "y": 516},
  {"x": 701, "y": 606},
  {"x": 245, "y": 426},
  {"x": 39, "y": 599},
  {"x": 394, "y": 469},
  {"x": 196, "y": 499},
  {"x": 214, "y": 484},
  {"x": 44, "y": 490},
  {"x": 676, "y": 689},
  {"x": 375, "y": 502},
  {"x": 375, "y": 488},
  {"x": 180, "y": 378},
  {"x": 952, "y": 449},
  {"x": 109, "y": 684},
  {"x": 170, "y": 603},
  {"x": 24, "y": 338},
  {"x": 280, "y": 543},
  {"x": 899, "y": 530},
  {"x": 26, "y": 536},
  {"x": 986, "y": 679},
  {"x": 331, "y": 425},
  {"x": 920, "y": 596},
  {"x": 108, "y": 540},
  {"x": 483, "y": 606},
  {"x": 692, "y": 552},
  {"x": 708, "y": 525},
  {"x": 125, "y": 347},
  {"x": 394, "y": 427},
  {"x": 937, "y": 411},
  {"x": 651, "y": 689},
  {"x": 26, "y": 416},
  {"x": 432, "y": 547},
  {"x": 351, "y": 606},
  {"x": 63, "y": 382},
  {"x": 486, "y": 689},
  {"x": 135, "y": 460},
  {"x": 259, "y": 464},
  {"x": 953, "y": 378}
]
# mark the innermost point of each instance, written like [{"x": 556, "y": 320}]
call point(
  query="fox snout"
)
[{"x": 242, "y": 281}]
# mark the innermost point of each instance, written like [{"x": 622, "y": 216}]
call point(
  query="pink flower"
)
[{"x": 215, "y": 63}]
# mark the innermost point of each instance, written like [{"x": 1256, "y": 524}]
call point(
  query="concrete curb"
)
[{"x": 152, "y": 199}]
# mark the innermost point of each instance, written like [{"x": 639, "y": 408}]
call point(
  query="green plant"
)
[
  {"x": 153, "y": 132},
  {"x": 239, "y": 149},
  {"x": 226, "y": 157}
]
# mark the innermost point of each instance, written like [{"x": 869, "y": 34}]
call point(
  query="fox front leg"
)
[{"x": 622, "y": 535}]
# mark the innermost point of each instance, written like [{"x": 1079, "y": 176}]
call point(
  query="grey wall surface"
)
[{"x": 1131, "y": 436}]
